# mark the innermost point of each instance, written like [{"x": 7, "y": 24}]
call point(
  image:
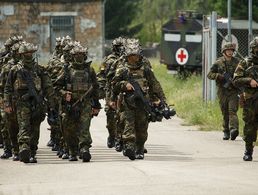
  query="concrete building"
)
[{"x": 41, "y": 21}]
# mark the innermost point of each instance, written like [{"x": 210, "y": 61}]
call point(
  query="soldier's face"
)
[
  {"x": 80, "y": 57},
  {"x": 133, "y": 59},
  {"x": 229, "y": 52},
  {"x": 255, "y": 51}
]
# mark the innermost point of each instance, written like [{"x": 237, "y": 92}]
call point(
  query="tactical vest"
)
[
  {"x": 79, "y": 81},
  {"x": 21, "y": 84},
  {"x": 139, "y": 75}
]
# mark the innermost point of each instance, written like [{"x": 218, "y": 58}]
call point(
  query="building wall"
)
[{"x": 32, "y": 20}]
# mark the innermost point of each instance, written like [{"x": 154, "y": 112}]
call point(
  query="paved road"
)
[{"x": 180, "y": 160}]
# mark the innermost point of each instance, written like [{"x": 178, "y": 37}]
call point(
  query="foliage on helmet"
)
[
  {"x": 68, "y": 46},
  {"x": 13, "y": 39},
  {"x": 78, "y": 49},
  {"x": 228, "y": 46},
  {"x": 58, "y": 41},
  {"x": 132, "y": 47},
  {"x": 15, "y": 47},
  {"x": 66, "y": 40},
  {"x": 254, "y": 43},
  {"x": 27, "y": 48}
]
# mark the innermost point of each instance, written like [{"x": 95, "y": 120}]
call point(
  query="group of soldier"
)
[
  {"x": 68, "y": 91},
  {"x": 237, "y": 82}
]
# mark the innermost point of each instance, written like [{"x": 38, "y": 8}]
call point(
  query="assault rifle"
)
[
  {"x": 228, "y": 80},
  {"x": 155, "y": 113},
  {"x": 32, "y": 94}
]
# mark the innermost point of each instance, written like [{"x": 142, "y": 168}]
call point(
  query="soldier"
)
[
  {"x": 5, "y": 69},
  {"x": 135, "y": 72},
  {"x": 30, "y": 85},
  {"x": 104, "y": 79},
  {"x": 10, "y": 119},
  {"x": 222, "y": 71},
  {"x": 246, "y": 75},
  {"x": 79, "y": 89}
]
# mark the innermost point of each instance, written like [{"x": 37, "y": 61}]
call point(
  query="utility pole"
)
[
  {"x": 229, "y": 21},
  {"x": 250, "y": 26}
]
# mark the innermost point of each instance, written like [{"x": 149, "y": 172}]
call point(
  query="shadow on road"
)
[{"x": 104, "y": 154}]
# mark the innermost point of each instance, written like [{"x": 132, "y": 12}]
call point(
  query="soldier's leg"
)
[
  {"x": 111, "y": 126},
  {"x": 70, "y": 136},
  {"x": 85, "y": 139},
  {"x": 141, "y": 128},
  {"x": 233, "y": 118},
  {"x": 1, "y": 138},
  {"x": 13, "y": 129},
  {"x": 119, "y": 131},
  {"x": 250, "y": 129},
  {"x": 24, "y": 135},
  {"x": 223, "y": 102},
  {"x": 128, "y": 135},
  {"x": 6, "y": 138}
]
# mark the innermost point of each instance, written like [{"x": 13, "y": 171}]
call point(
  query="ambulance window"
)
[
  {"x": 193, "y": 38},
  {"x": 172, "y": 37}
]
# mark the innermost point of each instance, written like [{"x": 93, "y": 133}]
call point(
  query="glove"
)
[{"x": 220, "y": 77}]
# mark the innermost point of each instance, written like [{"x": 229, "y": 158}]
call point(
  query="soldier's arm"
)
[
  {"x": 240, "y": 79},
  {"x": 8, "y": 89},
  {"x": 214, "y": 72},
  {"x": 119, "y": 81},
  {"x": 155, "y": 86},
  {"x": 48, "y": 90}
]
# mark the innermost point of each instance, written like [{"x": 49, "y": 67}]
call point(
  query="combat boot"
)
[
  {"x": 248, "y": 155},
  {"x": 33, "y": 159},
  {"x": 129, "y": 151},
  {"x": 145, "y": 150},
  {"x": 65, "y": 155},
  {"x": 7, "y": 154},
  {"x": 55, "y": 147},
  {"x": 118, "y": 146},
  {"x": 234, "y": 133},
  {"x": 25, "y": 155},
  {"x": 85, "y": 155},
  {"x": 50, "y": 143},
  {"x": 16, "y": 157},
  {"x": 73, "y": 158},
  {"x": 139, "y": 151},
  {"x": 110, "y": 142},
  {"x": 226, "y": 135}
]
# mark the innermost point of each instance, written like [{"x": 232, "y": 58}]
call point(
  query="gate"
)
[{"x": 60, "y": 26}]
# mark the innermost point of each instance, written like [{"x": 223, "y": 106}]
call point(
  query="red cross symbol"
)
[{"x": 181, "y": 56}]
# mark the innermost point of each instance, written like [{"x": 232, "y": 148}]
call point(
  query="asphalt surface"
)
[{"x": 180, "y": 160}]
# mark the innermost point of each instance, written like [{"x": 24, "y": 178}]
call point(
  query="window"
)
[{"x": 172, "y": 37}]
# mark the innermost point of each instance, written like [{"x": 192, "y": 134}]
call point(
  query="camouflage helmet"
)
[
  {"x": 58, "y": 41},
  {"x": 15, "y": 47},
  {"x": 66, "y": 40},
  {"x": 27, "y": 48},
  {"x": 253, "y": 43},
  {"x": 68, "y": 47},
  {"x": 132, "y": 47},
  {"x": 118, "y": 42},
  {"x": 78, "y": 49},
  {"x": 228, "y": 46},
  {"x": 12, "y": 40}
]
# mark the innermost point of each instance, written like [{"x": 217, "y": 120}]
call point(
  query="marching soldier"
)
[
  {"x": 133, "y": 74},
  {"x": 222, "y": 71},
  {"x": 246, "y": 76},
  {"x": 79, "y": 89},
  {"x": 30, "y": 85}
]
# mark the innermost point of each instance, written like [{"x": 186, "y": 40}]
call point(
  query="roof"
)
[{"x": 192, "y": 25}]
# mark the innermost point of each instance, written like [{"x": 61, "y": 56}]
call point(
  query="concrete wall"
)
[{"x": 32, "y": 20}]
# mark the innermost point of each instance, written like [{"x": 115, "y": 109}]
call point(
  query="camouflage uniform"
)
[
  {"x": 227, "y": 92},
  {"x": 104, "y": 79},
  {"x": 76, "y": 79},
  {"x": 245, "y": 72},
  {"x": 5, "y": 118},
  {"x": 135, "y": 117},
  {"x": 23, "y": 78},
  {"x": 11, "y": 124}
]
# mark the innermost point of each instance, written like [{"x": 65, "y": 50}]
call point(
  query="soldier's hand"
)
[
  {"x": 129, "y": 87},
  {"x": 8, "y": 109},
  {"x": 220, "y": 77},
  {"x": 68, "y": 96},
  {"x": 95, "y": 111},
  {"x": 156, "y": 103},
  {"x": 253, "y": 83},
  {"x": 112, "y": 105}
]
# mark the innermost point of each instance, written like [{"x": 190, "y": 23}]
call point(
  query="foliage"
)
[{"x": 144, "y": 18}]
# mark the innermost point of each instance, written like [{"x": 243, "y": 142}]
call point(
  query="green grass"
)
[{"x": 186, "y": 95}]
